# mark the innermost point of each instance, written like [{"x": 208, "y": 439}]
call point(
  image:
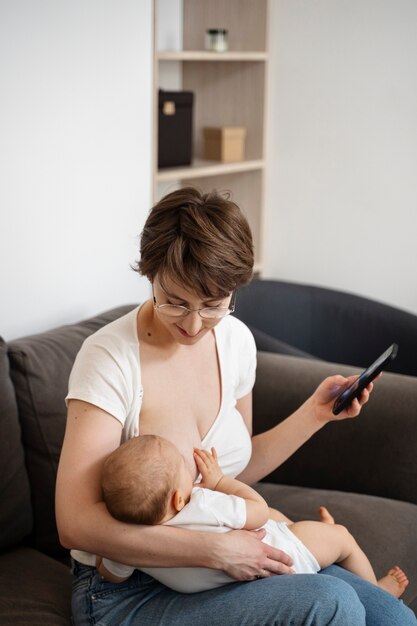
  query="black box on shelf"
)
[{"x": 175, "y": 128}]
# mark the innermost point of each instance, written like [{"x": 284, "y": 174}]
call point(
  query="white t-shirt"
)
[
  {"x": 107, "y": 373},
  {"x": 213, "y": 511}
]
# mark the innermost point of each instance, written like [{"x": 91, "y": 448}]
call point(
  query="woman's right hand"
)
[{"x": 245, "y": 556}]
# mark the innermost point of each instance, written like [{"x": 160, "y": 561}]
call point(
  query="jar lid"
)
[{"x": 216, "y": 31}]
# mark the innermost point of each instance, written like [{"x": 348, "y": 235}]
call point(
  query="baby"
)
[{"x": 146, "y": 481}]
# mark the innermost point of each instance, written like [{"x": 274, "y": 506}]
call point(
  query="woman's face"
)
[{"x": 190, "y": 329}]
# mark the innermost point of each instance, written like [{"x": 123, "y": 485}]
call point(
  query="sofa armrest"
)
[{"x": 375, "y": 453}]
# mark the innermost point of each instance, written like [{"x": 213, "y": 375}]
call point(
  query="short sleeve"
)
[
  {"x": 247, "y": 362},
  {"x": 229, "y": 510},
  {"x": 100, "y": 376}
]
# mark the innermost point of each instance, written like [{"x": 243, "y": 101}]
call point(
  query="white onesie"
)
[{"x": 213, "y": 511}]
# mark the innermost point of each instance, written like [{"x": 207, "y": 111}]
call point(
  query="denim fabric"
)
[
  {"x": 305, "y": 599},
  {"x": 382, "y": 609}
]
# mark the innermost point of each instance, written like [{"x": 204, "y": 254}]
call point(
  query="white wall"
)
[
  {"x": 75, "y": 166},
  {"x": 342, "y": 185},
  {"x": 75, "y": 157}
]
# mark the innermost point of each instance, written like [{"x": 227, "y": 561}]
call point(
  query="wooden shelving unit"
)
[
  {"x": 200, "y": 168},
  {"x": 203, "y": 55},
  {"x": 230, "y": 90}
]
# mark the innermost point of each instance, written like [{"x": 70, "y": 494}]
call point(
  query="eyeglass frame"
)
[{"x": 230, "y": 309}]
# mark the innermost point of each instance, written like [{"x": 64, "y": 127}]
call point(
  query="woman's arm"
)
[
  {"x": 273, "y": 447},
  {"x": 85, "y": 524},
  {"x": 82, "y": 517}
]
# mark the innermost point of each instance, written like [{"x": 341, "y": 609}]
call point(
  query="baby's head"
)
[{"x": 145, "y": 481}]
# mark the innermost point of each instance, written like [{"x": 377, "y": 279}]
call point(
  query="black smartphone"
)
[{"x": 354, "y": 390}]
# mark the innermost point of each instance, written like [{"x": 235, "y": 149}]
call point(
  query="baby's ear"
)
[{"x": 178, "y": 501}]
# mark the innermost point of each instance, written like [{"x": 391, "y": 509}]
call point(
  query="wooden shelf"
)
[
  {"x": 204, "y": 55},
  {"x": 229, "y": 90},
  {"x": 200, "y": 168}
]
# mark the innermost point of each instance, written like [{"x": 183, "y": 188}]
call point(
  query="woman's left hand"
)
[{"x": 326, "y": 393}]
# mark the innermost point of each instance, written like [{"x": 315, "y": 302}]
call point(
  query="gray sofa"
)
[
  {"x": 315, "y": 322},
  {"x": 364, "y": 471}
]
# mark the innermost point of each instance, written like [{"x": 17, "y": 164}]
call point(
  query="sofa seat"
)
[
  {"x": 363, "y": 470},
  {"x": 391, "y": 541},
  {"x": 35, "y": 589}
]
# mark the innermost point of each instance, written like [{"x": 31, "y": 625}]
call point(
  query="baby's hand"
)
[{"x": 208, "y": 467}]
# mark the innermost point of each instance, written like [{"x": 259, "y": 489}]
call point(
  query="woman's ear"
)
[{"x": 178, "y": 501}]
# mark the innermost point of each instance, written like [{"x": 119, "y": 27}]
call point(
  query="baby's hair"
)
[{"x": 138, "y": 480}]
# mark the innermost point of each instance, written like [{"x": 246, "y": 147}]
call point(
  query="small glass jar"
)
[{"x": 216, "y": 39}]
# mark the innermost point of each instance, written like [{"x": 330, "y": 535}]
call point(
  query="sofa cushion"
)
[
  {"x": 375, "y": 453},
  {"x": 330, "y": 324},
  {"x": 267, "y": 343},
  {"x": 15, "y": 511},
  {"x": 40, "y": 366},
  {"x": 35, "y": 589},
  {"x": 385, "y": 529}
]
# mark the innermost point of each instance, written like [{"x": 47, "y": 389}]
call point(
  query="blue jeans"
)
[{"x": 332, "y": 598}]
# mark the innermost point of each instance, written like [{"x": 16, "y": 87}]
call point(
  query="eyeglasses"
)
[{"x": 207, "y": 312}]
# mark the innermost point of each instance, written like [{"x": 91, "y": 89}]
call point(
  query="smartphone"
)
[{"x": 354, "y": 390}]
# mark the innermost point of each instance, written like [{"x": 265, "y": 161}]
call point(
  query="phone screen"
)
[{"x": 354, "y": 390}]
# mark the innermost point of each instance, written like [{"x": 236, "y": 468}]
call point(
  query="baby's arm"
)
[
  {"x": 213, "y": 478},
  {"x": 277, "y": 516}
]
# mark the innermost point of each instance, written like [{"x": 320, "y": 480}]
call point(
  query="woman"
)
[{"x": 181, "y": 367}]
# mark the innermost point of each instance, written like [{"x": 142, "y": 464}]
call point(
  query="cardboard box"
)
[
  {"x": 226, "y": 143},
  {"x": 175, "y": 123}
]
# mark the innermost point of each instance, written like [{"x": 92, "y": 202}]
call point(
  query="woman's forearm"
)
[
  {"x": 83, "y": 520},
  {"x": 141, "y": 546},
  {"x": 271, "y": 448}
]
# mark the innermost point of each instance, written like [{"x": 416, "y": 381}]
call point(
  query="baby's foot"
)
[
  {"x": 325, "y": 516},
  {"x": 394, "y": 582}
]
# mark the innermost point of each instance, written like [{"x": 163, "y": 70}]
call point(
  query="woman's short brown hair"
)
[{"x": 202, "y": 241}]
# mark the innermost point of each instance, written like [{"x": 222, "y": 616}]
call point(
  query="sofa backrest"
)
[
  {"x": 329, "y": 324},
  {"x": 15, "y": 508},
  {"x": 375, "y": 454},
  {"x": 39, "y": 367}
]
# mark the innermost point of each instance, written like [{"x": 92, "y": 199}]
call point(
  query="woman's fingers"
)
[
  {"x": 245, "y": 556},
  {"x": 277, "y": 561}
]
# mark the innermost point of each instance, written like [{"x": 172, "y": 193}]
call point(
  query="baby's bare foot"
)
[
  {"x": 394, "y": 582},
  {"x": 325, "y": 516}
]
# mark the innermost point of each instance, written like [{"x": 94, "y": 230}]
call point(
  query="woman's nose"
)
[{"x": 193, "y": 323}]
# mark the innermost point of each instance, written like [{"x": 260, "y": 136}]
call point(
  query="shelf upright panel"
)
[{"x": 230, "y": 90}]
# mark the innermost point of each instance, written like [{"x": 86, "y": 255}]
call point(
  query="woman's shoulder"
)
[
  {"x": 119, "y": 335},
  {"x": 106, "y": 371},
  {"x": 113, "y": 347},
  {"x": 234, "y": 332}
]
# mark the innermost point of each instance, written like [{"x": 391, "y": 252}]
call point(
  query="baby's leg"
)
[
  {"x": 325, "y": 516},
  {"x": 277, "y": 516},
  {"x": 394, "y": 582},
  {"x": 332, "y": 543}
]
